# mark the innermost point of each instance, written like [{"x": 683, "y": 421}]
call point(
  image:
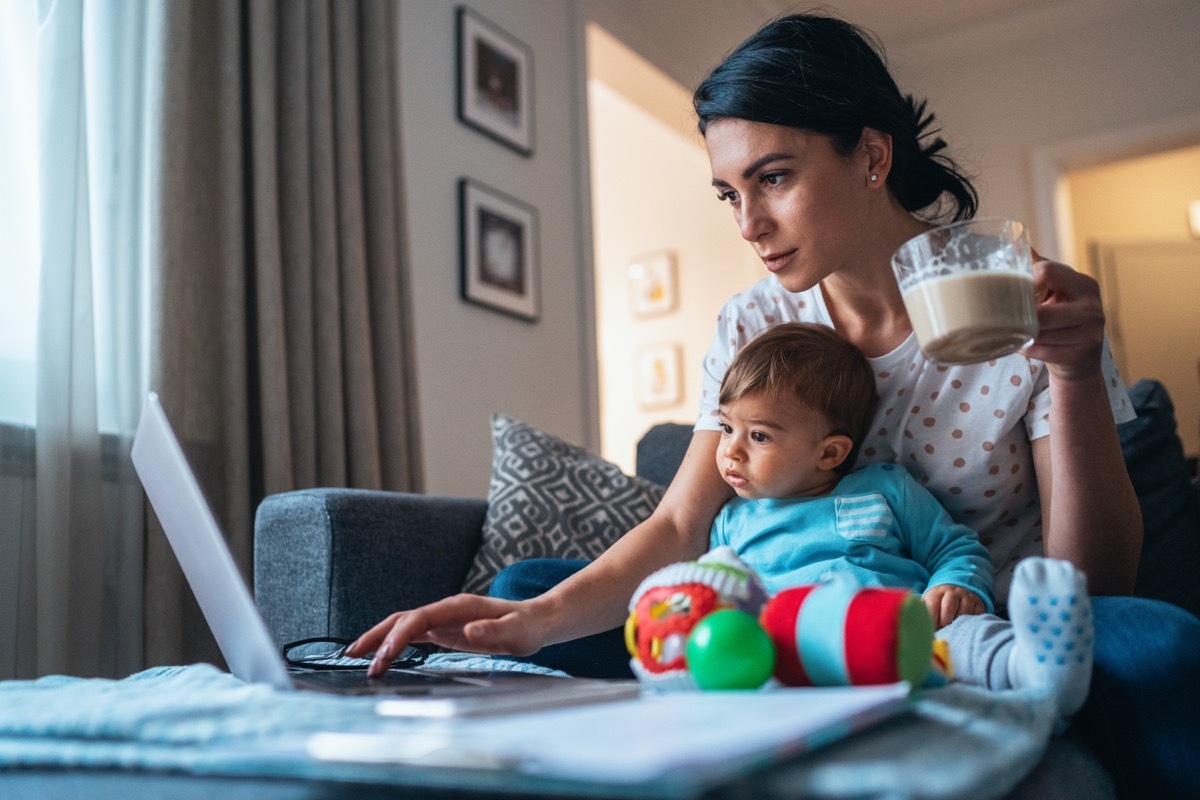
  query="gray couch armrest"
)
[{"x": 333, "y": 562}]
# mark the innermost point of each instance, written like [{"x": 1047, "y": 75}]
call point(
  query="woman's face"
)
[{"x": 798, "y": 202}]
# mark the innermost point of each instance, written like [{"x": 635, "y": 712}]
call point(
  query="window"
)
[{"x": 19, "y": 255}]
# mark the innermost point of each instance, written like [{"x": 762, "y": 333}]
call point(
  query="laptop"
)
[
  {"x": 242, "y": 635},
  {"x": 669, "y": 745}
]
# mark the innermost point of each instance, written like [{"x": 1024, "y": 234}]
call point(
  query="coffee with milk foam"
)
[{"x": 969, "y": 295}]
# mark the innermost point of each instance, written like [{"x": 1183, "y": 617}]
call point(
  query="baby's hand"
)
[{"x": 946, "y": 602}]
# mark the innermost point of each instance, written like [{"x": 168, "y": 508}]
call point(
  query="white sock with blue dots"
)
[{"x": 1052, "y": 627}]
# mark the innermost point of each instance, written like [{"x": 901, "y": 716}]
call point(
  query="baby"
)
[{"x": 794, "y": 406}]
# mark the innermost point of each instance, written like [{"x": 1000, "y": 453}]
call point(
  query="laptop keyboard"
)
[{"x": 411, "y": 681}]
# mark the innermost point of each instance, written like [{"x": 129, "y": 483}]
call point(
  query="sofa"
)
[{"x": 332, "y": 562}]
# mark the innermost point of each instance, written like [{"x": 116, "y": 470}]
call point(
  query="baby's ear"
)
[{"x": 834, "y": 449}]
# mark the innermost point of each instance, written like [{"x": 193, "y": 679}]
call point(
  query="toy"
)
[
  {"x": 839, "y": 634},
  {"x": 728, "y": 649},
  {"x": 669, "y": 603},
  {"x": 709, "y": 624}
]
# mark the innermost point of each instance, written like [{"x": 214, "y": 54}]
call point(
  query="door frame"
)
[{"x": 1050, "y": 162}]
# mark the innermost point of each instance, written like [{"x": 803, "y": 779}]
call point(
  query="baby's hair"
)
[{"x": 811, "y": 364}]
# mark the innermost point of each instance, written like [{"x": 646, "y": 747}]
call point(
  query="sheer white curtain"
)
[
  {"x": 219, "y": 217},
  {"x": 18, "y": 331},
  {"x": 74, "y": 523}
]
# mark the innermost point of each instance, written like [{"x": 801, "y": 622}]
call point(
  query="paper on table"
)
[{"x": 690, "y": 736}]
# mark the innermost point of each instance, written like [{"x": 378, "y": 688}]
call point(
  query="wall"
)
[
  {"x": 683, "y": 38},
  {"x": 472, "y": 361},
  {"x": 1003, "y": 92},
  {"x": 652, "y": 192}
]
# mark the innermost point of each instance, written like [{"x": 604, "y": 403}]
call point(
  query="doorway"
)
[{"x": 1129, "y": 220}]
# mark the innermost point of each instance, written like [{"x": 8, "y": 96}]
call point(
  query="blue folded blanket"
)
[{"x": 960, "y": 742}]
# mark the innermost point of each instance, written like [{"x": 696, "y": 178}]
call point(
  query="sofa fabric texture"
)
[{"x": 333, "y": 562}]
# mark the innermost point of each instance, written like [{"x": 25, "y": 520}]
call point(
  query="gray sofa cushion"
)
[
  {"x": 333, "y": 562},
  {"x": 660, "y": 451}
]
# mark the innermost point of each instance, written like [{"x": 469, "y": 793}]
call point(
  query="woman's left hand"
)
[{"x": 1070, "y": 336}]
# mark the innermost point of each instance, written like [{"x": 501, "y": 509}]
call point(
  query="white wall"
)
[
  {"x": 472, "y": 361},
  {"x": 1001, "y": 93},
  {"x": 652, "y": 192}
]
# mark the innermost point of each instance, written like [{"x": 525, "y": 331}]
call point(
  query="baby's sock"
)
[{"x": 1052, "y": 628}]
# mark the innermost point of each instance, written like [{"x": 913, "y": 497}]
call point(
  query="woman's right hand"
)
[
  {"x": 463, "y": 622},
  {"x": 592, "y": 600},
  {"x": 1070, "y": 336}
]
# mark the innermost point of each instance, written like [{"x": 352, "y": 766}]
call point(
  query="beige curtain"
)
[{"x": 280, "y": 344}]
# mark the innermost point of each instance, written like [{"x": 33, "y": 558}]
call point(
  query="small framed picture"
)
[
  {"x": 659, "y": 378},
  {"x": 495, "y": 82},
  {"x": 652, "y": 286},
  {"x": 498, "y": 237}
]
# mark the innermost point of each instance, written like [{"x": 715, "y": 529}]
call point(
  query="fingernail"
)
[{"x": 379, "y": 664}]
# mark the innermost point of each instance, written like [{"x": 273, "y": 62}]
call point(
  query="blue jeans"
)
[
  {"x": 600, "y": 655},
  {"x": 1142, "y": 716}
]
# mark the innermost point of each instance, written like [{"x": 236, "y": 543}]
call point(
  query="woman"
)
[{"x": 828, "y": 168}]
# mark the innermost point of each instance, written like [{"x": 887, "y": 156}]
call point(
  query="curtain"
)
[
  {"x": 221, "y": 222},
  {"x": 280, "y": 344},
  {"x": 80, "y": 588}
]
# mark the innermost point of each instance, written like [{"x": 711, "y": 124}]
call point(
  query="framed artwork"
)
[
  {"x": 495, "y": 82},
  {"x": 652, "y": 284},
  {"x": 659, "y": 376},
  {"x": 498, "y": 237}
]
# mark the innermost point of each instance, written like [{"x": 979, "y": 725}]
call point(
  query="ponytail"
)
[{"x": 923, "y": 176}]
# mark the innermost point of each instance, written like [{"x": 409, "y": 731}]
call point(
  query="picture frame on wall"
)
[
  {"x": 660, "y": 376},
  {"x": 499, "y": 258},
  {"x": 495, "y": 82},
  {"x": 653, "y": 289}
]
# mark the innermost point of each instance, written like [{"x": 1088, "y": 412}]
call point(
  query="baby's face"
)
[{"x": 773, "y": 448}]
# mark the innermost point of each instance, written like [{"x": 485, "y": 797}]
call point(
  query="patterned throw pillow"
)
[{"x": 551, "y": 499}]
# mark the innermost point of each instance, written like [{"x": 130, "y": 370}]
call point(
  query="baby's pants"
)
[{"x": 980, "y": 646}]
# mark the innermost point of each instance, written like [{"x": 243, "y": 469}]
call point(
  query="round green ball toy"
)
[{"x": 728, "y": 649}]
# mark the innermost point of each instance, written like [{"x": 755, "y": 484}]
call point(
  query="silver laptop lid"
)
[{"x": 201, "y": 551}]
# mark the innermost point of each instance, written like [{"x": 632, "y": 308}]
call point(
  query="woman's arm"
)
[
  {"x": 1090, "y": 513},
  {"x": 593, "y": 600}
]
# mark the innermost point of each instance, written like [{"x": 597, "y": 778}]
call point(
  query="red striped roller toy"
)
[{"x": 841, "y": 634}]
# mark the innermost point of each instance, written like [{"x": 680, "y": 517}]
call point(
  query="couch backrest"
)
[{"x": 660, "y": 451}]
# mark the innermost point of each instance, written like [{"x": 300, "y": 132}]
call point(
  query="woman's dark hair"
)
[{"x": 825, "y": 75}]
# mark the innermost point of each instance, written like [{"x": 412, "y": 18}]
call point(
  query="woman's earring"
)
[{"x": 874, "y": 177}]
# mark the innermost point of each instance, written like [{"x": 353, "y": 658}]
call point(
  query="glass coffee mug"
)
[{"x": 968, "y": 290}]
